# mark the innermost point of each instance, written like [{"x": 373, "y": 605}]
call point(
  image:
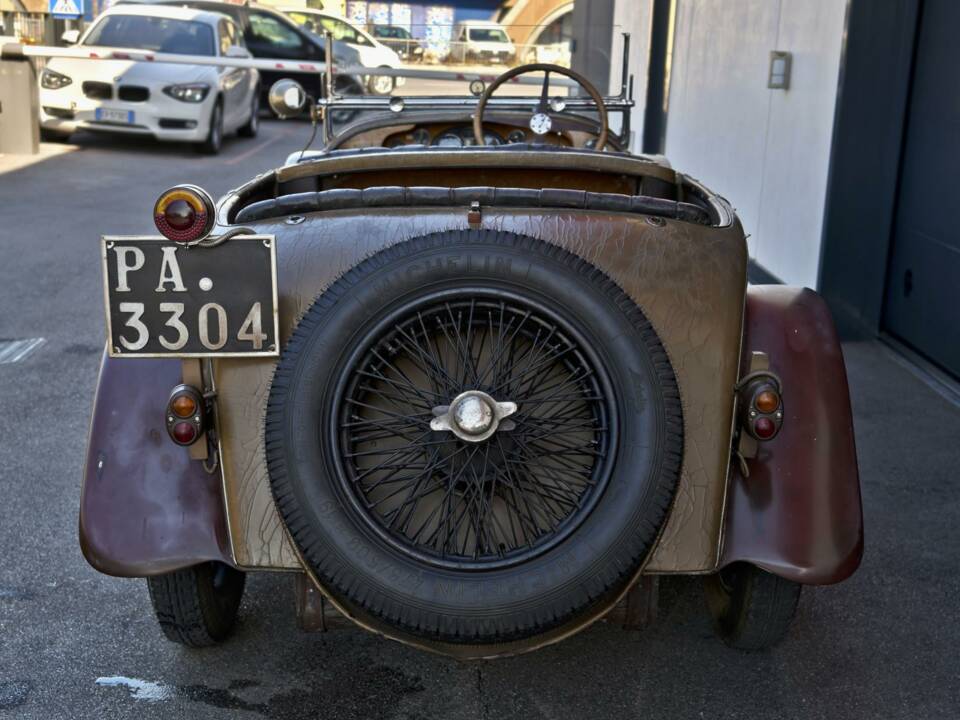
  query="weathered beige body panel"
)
[{"x": 689, "y": 279}]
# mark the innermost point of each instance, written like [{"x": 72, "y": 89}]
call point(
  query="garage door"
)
[{"x": 923, "y": 283}]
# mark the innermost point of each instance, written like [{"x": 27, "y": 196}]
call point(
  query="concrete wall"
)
[
  {"x": 766, "y": 150},
  {"x": 591, "y": 55}
]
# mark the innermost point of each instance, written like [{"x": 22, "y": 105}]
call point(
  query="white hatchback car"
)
[
  {"x": 373, "y": 53},
  {"x": 189, "y": 103}
]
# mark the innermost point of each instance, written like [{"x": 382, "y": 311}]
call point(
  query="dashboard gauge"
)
[
  {"x": 541, "y": 123},
  {"x": 516, "y": 136},
  {"x": 420, "y": 136},
  {"x": 492, "y": 139},
  {"x": 448, "y": 139}
]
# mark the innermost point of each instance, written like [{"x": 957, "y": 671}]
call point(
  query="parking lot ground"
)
[{"x": 77, "y": 644}]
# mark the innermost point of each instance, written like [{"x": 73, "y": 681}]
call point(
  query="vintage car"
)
[{"x": 478, "y": 376}]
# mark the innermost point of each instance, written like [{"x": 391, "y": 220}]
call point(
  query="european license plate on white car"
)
[
  {"x": 114, "y": 116},
  {"x": 165, "y": 299}
]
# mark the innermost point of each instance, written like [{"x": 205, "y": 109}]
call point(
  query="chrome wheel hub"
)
[{"x": 473, "y": 416}]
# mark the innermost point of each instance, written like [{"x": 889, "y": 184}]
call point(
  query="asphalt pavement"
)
[{"x": 77, "y": 644}]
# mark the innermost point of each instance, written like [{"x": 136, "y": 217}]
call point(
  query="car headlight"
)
[
  {"x": 191, "y": 93},
  {"x": 52, "y": 80}
]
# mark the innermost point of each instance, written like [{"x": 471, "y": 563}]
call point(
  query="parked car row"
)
[{"x": 199, "y": 104}]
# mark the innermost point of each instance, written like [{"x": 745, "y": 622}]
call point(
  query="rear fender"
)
[
  {"x": 798, "y": 515},
  {"x": 146, "y": 508}
]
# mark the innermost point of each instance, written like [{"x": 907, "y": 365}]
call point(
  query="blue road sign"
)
[{"x": 66, "y": 8}]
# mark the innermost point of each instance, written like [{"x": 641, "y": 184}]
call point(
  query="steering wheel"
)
[{"x": 541, "y": 121}]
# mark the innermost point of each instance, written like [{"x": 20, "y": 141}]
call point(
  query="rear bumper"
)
[{"x": 799, "y": 513}]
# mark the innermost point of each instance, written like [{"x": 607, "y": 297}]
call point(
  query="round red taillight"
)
[
  {"x": 180, "y": 215},
  {"x": 184, "y": 213},
  {"x": 764, "y": 428},
  {"x": 184, "y": 433}
]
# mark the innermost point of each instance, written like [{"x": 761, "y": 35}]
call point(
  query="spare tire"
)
[{"x": 474, "y": 437}]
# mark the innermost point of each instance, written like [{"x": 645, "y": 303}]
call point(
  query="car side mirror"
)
[
  {"x": 70, "y": 37},
  {"x": 237, "y": 52},
  {"x": 287, "y": 98}
]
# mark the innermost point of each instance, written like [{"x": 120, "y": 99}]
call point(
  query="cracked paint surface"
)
[{"x": 688, "y": 279}]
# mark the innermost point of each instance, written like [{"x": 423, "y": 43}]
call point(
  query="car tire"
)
[
  {"x": 53, "y": 136},
  {"x": 252, "y": 126},
  {"x": 214, "y": 142},
  {"x": 616, "y": 445},
  {"x": 197, "y": 606},
  {"x": 751, "y": 609},
  {"x": 382, "y": 84}
]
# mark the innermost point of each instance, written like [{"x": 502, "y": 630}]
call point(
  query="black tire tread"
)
[
  {"x": 761, "y": 611},
  {"x": 248, "y": 129},
  {"x": 184, "y": 604}
]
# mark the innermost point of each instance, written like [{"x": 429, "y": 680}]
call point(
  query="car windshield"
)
[
  {"x": 456, "y": 53},
  {"x": 488, "y": 35},
  {"x": 141, "y": 32}
]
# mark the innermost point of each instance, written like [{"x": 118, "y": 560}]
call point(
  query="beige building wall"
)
[
  {"x": 766, "y": 150},
  {"x": 526, "y": 16}
]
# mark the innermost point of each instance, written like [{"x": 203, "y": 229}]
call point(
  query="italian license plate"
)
[
  {"x": 164, "y": 299},
  {"x": 115, "y": 116}
]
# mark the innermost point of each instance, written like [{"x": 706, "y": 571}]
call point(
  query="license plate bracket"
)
[
  {"x": 114, "y": 115},
  {"x": 165, "y": 299}
]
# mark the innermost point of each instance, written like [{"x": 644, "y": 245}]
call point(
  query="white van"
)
[{"x": 478, "y": 41}]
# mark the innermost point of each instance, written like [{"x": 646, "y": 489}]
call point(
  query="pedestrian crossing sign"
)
[{"x": 66, "y": 8}]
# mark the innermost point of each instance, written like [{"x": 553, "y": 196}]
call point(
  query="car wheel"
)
[
  {"x": 56, "y": 136},
  {"x": 474, "y": 437},
  {"x": 382, "y": 84},
  {"x": 197, "y": 606},
  {"x": 214, "y": 141},
  {"x": 252, "y": 126},
  {"x": 751, "y": 608}
]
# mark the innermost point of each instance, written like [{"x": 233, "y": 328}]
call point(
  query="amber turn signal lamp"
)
[
  {"x": 766, "y": 401},
  {"x": 186, "y": 416},
  {"x": 183, "y": 405},
  {"x": 184, "y": 213}
]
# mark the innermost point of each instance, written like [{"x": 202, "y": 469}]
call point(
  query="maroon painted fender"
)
[
  {"x": 798, "y": 515},
  {"x": 146, "y": 508}
]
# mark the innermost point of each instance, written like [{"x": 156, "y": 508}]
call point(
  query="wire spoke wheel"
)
[{"x": 452, "y": 500}]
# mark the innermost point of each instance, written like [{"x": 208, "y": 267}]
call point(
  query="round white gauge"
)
[
  {"x": 540, "y": 123},
  {"x": 449, "y": 140}
]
